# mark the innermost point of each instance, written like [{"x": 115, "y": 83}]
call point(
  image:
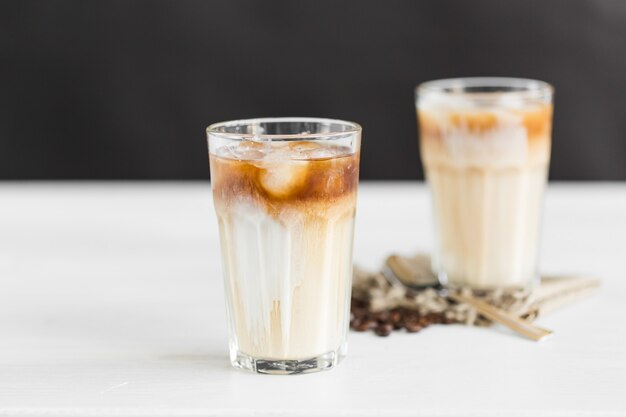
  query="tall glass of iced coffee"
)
[
  {"x": 485, "y": 147},
  {"x": 284, "y": 191}
]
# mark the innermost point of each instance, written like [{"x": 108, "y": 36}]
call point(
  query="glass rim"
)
[
  {"x": 527, "y": 88},
  {"x": 351, "y": 128}
]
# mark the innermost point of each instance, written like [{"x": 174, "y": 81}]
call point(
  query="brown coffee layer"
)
[
  {"x": 536, "y": 120},
  {"x": 281, "y": 184}
]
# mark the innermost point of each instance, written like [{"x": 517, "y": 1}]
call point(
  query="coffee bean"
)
[
  {"x": 356, "y": 303},
  {"x": 380, "y": 316},
  {"x": 395, "y": 317},
  {"x": 385, "y": 321},
  {"x": 435, "y": 318},
  {"x": 383, "y": 330},
  {"x": 410, "y": 315},
  {"x": 412, "y": 327},
  {"x": 364, "y": 325}
]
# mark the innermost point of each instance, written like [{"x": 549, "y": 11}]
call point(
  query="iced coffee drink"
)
[
  {"x": 285, "y": 193},
  {"x": 485, "y": 147}
]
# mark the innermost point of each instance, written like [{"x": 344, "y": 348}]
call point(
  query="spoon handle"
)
[{"x": 513, "y": 322}]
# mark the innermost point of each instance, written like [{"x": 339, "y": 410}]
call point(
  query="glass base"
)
[
  {"x": 479, "y": 290},
  {"x": 322, "y": 362}
]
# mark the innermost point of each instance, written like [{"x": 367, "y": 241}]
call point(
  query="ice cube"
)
[
  {"x": 300, "y": 149},
  {"x": 323, "y": 152},
  {"x": 306, "y": 150},
  {"x": 281, "y": 178},
  {"x": 225, "y": 152},
  {"x": 249, "y": 150},
  {"x": 303, "y": 145}
]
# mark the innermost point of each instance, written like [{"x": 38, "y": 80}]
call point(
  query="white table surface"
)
[{"x": 111, "y": 305}]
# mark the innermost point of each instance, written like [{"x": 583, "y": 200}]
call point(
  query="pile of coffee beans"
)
[{"x": 382, "y": 323}]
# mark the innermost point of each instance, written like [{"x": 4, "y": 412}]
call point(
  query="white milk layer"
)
[
  {"x": 287, "y": 279},
  {"x": 488, "y": 224}
]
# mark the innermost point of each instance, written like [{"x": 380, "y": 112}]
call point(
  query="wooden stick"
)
[{"x": 513, "y": 322}]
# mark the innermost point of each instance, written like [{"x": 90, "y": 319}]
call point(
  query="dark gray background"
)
[{"x": 124, "y": 89}]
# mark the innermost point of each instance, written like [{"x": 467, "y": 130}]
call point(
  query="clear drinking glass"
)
[
  {"x": 284, "y": 191},
  {"x": 485, "y": 146}
]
